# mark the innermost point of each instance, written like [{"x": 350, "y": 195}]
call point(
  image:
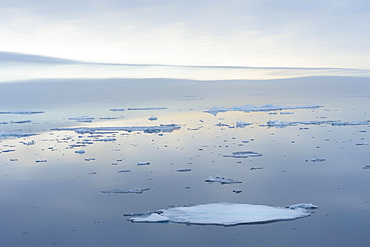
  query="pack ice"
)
[
  {"x": 264, "y": 108},
  {"x": 226, "y": 214}
]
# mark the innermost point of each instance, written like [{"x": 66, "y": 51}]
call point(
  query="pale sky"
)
[{"x": 256, "y": 33}]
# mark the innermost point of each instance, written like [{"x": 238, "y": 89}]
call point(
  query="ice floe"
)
[
  {"x": 134, "y": 191},
  {"x": 15, "y": 134},
  {"x": 117, "y": 109},
  {"x": 183, "y": 170},
  {"x": 143, "y": 163},
  {"x": 241, "y": 124},
  {"x": 152, "y": 118},
  {"x": 221, "y": 180},
  {"x": 243, "y": 154},
  {"x": 82, "y": 119},
  {"x": 21, "y": 122},
  {"x": 21, "y": 112},
  {"x": 264, "y": 108},
  {"x": 224, "y": 214},
  {"x": 146, "y": 129}
]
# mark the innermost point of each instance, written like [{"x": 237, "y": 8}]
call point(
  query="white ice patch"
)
[
  {"x": 225, "y": 214},
  {"x": 243, "y": 154},
  {"x": 265, "y": 108}
]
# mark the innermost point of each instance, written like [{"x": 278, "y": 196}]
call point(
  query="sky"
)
[{"x": 252, "y": 33}]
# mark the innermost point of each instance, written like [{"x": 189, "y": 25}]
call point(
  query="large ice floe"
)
[
  {"x": 146, "y": 129},
  {"x": 264, "y": 108},
  {"x": 226, "y": 214}
]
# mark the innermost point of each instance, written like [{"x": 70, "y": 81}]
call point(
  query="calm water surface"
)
[{"x": 59, "y": 202}]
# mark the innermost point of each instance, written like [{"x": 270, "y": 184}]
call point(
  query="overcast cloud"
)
[{"x": 235, "y": 33}]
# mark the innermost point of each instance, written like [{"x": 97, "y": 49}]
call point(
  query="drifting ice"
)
[
  {"x": 243, "y": 154},
  {"x": 222, "y": 180},
  {"x": 225, "y": 214},
  {"x": 265, "y": 108},
  {"x": 146, "y": 129},
  {"x": 135, "y": 191}
]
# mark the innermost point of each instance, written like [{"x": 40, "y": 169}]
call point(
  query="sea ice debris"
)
[
  {"x": 221, "y": 180},
  {"x": 243, "y": 154},
  {"x": 143, "y": 163},
  {"x": 135, "y": 191},
  {"x": 183, "y": 170},
  {"x": 225, "y": 214},
  {"x": 303, "y": 205}
]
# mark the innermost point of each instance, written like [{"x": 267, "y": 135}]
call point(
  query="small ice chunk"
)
[
  {"x": 134, "y": 191},
  {"x": 318, "y": 160},
  {"x": 108, "y": 118},
  {"x": 242, "y": 124},
  {"x": 21, "y": 122},
  {"x": 183, "y": 170},
  {"x": 221, "y": 180},
  {"x": 303, "y": 205},
  {"x": 367, "y": 167},
  {"x": 41, "y": 161},
  {"x": 106, "y": 140},
  {"x": 83, "y": 119},
  {"x": 21, "y": 112},
  {"x": 117, "y": 109},
  {"x": 224, "y": 214},
  {"x": 143, "y": 163},
  {"x": 153, "y": 218},
  {"x": 152, "y": 118},
  {"x": 243, "y": 154},
  {"x": 79, "y": 151},
  {"x": 124, "y": 171}
]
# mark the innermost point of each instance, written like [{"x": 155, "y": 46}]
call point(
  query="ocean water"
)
[{"x": 51, "y": 195}]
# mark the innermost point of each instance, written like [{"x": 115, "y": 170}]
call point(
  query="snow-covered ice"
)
[
  {"x": 222, "y": 180},
  {"x": 243, "y": 154},
  {"x": 225, "y": 214}
]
